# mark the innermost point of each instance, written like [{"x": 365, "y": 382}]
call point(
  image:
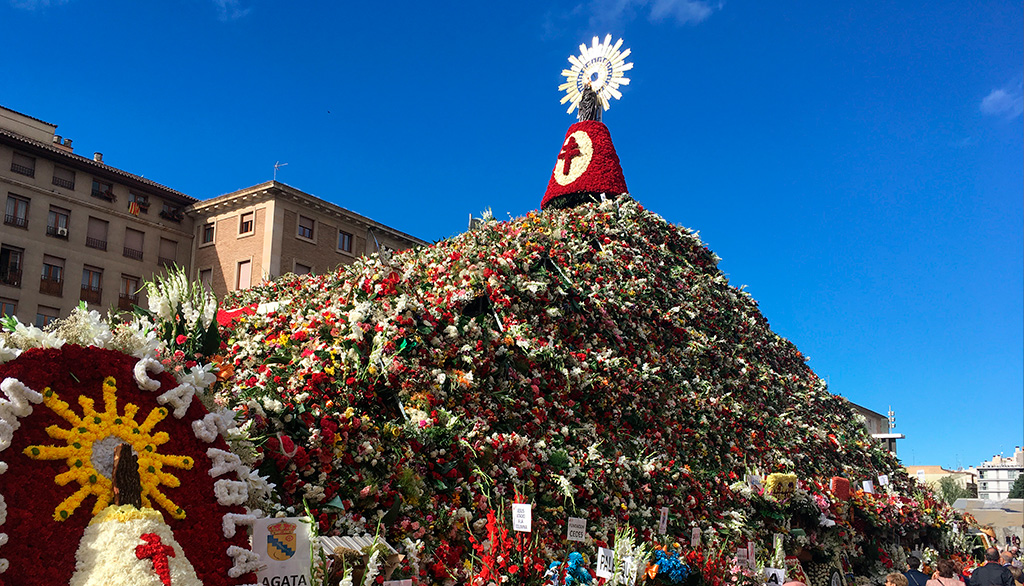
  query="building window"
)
[
  {"x": 11, "y": 258},
  {"x": 8, "y": 307},
  {"x": 206, "y": 278},
  {"x": 246, "y": 225},
  {"x": 92, "y": 285},
  {"x": 96, "y": 235},
  {"x": 103, "y": 190},
  {"x": 133, "y": 243},
  {"x": 57, "y": 222},
  {"x": 46, "y": 315},
  {"x": 301, "y": 269},
  {"x": 208, "y": 232},
  {"x": 306, "y": 227},
  {"x": 129, "y": 295},
  {"x": 64, "y": 178},
  {"x": 168, "y": 252},
  {"x": 138, "y": 204},
  {"x": 244, "y": 280},
  {"x": 17, "y": 211},
  {"x": 23, "y": 164},
  {"x": 51, "y": 282},
  {"x": 344, "y": 241},
  {"x": 172, "y": 212}
]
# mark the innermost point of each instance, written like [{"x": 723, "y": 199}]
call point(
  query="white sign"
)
[
  {"x": 522, "y": 517},
  {"x": 869, "y": 487},
  {"x": 577, "y": 529},
  {"x": 754, "y": 481},
  {"x": 283, "y": 545},
  {"x": 741, "y": 556},
  {"x": 883, "y": 480},
  {"x": 920, "y": 475},
  {"x": 775, "y": 576},
  {"x": 695, "y": 537},
  {"x": 605, "y": 562},
  {"x": 663, "y": 521},
  {"x": 628, "y": 570},
  {"x": 751, "y": 554}
]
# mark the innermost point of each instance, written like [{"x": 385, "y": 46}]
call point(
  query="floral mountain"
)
[{"x": 592, "y": 361}]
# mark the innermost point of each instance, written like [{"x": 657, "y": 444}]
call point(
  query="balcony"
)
[
  {"x": 10, "y": 276},
  {"x": 16, "y": 220},
  {"x": 65, "y": 183},
  {"x": 57, "y": 232},
  {"x": 23, "y": 170},
  {"x": 126, "y": 301},
  {"x": 53, "y": 287},
  {"x": 96, "y": 243},
  {"x": 132, "y": 253},
  {"x": 167, "y": 263},
  {"x": 91, "y": 294}
]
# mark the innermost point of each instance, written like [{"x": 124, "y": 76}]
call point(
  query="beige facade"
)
[
  {"x": 265, "y": 231},
  {"x": 931, "y": 475},
  {"x": 69, "y": 232}
]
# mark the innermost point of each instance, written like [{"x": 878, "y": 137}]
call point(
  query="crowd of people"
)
[{"x": 1000, "y": 568}]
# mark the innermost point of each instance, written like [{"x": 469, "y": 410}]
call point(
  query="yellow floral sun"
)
[{"x": 90, "y": 444}]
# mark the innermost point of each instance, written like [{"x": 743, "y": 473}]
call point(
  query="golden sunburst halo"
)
[
  {"x": 602, "y": 66},
  {"x": 90, "y": 441}
]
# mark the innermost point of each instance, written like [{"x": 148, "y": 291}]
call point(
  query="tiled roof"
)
[{"x": 80, "y": 160}]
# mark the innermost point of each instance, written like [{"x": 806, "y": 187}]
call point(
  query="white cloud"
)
[
  {"x": 1008, "y": 102},
  {"x": 612, "y": 13},
  {"x": 230, "y": 9},
  {"x": 36, "y": 4}
]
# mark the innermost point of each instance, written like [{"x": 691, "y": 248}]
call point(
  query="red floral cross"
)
[{"x": 159, "y": 553}]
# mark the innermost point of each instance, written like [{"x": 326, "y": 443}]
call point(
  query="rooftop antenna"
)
[{"x": 277, "y": 166}]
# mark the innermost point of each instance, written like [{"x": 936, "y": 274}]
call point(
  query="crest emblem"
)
[{"x": 281, "y": 541}]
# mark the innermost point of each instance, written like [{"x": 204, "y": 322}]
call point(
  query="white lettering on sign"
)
[
  {"x": 869, "y": 487},
  {"x": 775, "y": 576},
  {"x": 522, "y": 517},
  {"x": 695, "y": 537},
  {"x": 605, "y": 562},
  {"x": 883, "y": 480},
  {"x": 577, "y": 529},
  {"x": 663, "y": 521}
]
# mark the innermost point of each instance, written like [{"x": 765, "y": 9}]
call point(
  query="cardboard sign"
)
[
  {"x": 605, "y": 562},
  {"x": 663, "y": 521},
  {"x": 283, "y": 545},
  {"x": 577, "y": 529},
  {"x": 522, "y": 517},
  {"x": 869, "y": 487},
  {"x": 695, "y": 537},
  {"x": 883, "y": 480},
  {"x": 775, "y": 576}
]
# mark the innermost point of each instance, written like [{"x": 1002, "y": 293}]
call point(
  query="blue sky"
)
[{"x": 857, "y": 166}]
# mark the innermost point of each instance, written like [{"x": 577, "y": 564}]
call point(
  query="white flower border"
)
[{"x": 142, "y": 343}]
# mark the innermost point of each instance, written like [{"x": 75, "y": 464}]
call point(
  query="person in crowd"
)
[
  {"x": 1018, "y": 575},
  {"x": 992, "y": 573},
  {"x": 945, "y": 575},
  {"x": 895, "y": 579},
  {"x": 914, "y": 576},
  {"x": 1006, "y": 558}
]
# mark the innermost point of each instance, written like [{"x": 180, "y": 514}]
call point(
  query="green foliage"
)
[
  {"x": 949, "y": 490},
  {"x": 1017, "y": 490}
]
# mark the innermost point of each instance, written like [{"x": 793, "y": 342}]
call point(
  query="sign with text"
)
[
  {"x": 522, "y": 517},
  {"x": 775, "y": 576},
  {"x": 869, "y": 487},
  {"x": 695, "y": 537},
  {"x": 629, "y": 570},
  {"x": 883, "y": 480},
  {"x": 663, "y": 521},
  {"x": 754, "y": 481},
  {"x": 605, "y": 562},
  {"x": 752, "y": 554},
  {"x": 577, "y": 529},
  {"x": 283, "y": 545}
]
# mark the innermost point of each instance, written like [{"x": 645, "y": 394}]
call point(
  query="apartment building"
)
[
  {"x": 264, "y": 231},
  {"x": 996, "y": 477},
  {"x": 76, "y": 229}
]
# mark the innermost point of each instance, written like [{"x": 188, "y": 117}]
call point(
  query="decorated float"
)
[{"x": 571, "y": 397}]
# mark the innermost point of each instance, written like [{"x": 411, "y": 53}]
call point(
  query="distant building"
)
[
  {"x": 996, "y": 476},
  {"x": 267, "y": 230},
  {"x": 931, "y": 475},
  {"x": 76, "y": 228},
  {"x": 879, "y": 426}
]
